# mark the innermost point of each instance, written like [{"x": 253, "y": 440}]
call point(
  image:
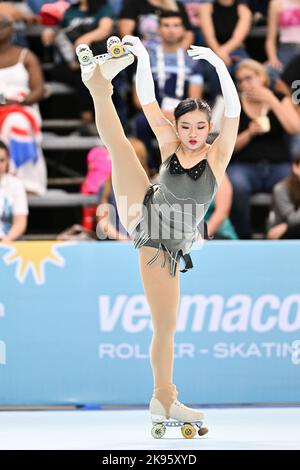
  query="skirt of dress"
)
[{"x": 141, "y": 237}]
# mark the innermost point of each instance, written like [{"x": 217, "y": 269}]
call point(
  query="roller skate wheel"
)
[
  {"x": 116, "y": 50},
  {"x": 158, "y": 431},
  {"x": 115, "y": 46},
  {"x": 188, "y": 431},
  {"x": 202, "y": 431},
  {"x": 84, "y": 54}
]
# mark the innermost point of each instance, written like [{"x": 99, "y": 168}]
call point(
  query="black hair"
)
[
  {"x": 169, "y": 14},
  {"x": 4, "y": 147},
  {"x": 188, "y": 105}
]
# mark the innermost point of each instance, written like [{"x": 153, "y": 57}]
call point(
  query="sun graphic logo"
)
[{"x": 33, "y": 256}]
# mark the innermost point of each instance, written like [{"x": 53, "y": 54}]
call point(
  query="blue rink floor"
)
[{"x": 229, "y": 428}]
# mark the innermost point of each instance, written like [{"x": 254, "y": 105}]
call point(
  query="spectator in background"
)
[
  {"x": 89, "y": 22},
  {"x": 141, "y": 17},
  {"x": 21, "y": 88},
  {"x": 107, "y": 214},
  {"x": 261, "y": 156},
  {"x": 13, "y": 201},
  {"x": 192, "y": 9},
  {"x": 116, "y": 6},
  {"x": 36, "y": 5},
  {"x": 225, "y": 26},
  {"x": 22, "y": 17},
  {"x": 219, "y": 225},
  {"x": 290, "y": 76},
  {"x": 259, "y": 9},
  {"x": 283, "y": 18},
  {"x": 175, "y": 74},
  {"x": 286, "y": 206}
]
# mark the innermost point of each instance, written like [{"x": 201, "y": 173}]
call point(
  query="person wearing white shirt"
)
[{"x": 13, "y": 201}]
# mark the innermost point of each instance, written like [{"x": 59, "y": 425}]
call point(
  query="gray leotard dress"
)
[{"x": 174, "y": 209}]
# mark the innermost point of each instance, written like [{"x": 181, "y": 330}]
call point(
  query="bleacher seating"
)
[{"x": 61, "y": 198}]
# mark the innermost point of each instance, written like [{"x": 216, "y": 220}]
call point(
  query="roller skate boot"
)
[
  {"x": 110, "y": 64},
  {"x": 178, "y": 415}
]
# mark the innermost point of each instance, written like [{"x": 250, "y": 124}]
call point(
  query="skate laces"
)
[{"x": 178, "y": 403}]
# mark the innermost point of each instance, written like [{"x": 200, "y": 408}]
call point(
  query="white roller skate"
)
[
  {"x": 179, "y": 415},
  {"x": 116, "y": 59}
]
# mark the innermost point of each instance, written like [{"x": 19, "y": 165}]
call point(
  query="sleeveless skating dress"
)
[{"x": 174, "y": 209}]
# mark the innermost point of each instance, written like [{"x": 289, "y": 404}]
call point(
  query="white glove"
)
[
  {"x": 134, "y": 44},
  {"x": 231, "y": 98},
  {"x": 144, "y": 80},
  {"x": 199, "y": 52}
]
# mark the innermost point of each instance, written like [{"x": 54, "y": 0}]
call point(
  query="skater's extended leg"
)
[
  {"x": 162, "y": 293},
  {"x": 129, "y": 179}
]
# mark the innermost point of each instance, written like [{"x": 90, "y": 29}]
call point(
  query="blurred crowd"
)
[{"x": 266, "y": 157}]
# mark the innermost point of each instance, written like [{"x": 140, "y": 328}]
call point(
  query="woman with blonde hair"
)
[
  {"x": 261, "y": 155},
  {"x": 256, "y": 67}
]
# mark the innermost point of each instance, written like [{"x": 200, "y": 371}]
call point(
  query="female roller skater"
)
[{"x": 190, "y": 174}]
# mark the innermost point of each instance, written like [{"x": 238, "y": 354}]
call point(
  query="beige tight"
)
[
  {"x": 162, "y": 293},
  {"x": 129, "y": 179}
]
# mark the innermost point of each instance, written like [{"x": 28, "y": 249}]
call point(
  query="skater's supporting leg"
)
[
  {"x": 129, "y": 179},
  {"x": 162, "y": 293}
]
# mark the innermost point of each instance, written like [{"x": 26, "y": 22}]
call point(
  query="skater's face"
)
[
  {"x": 171, "y": 30},
  {"x": 193, "y": 128}
]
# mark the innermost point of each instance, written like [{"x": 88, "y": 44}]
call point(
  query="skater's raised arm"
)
[
  {"x": 222, "y": 148},
  {"x": 163, "y": 129}
]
